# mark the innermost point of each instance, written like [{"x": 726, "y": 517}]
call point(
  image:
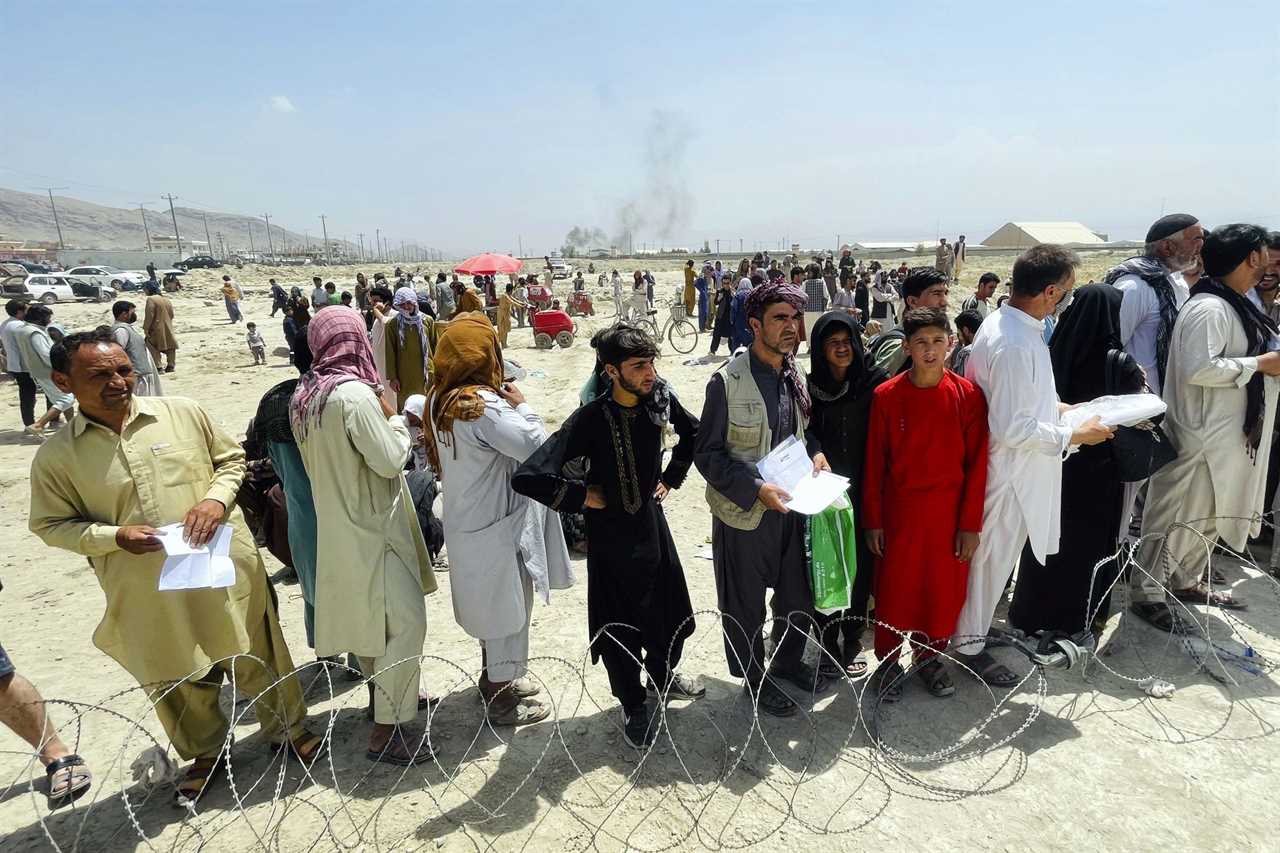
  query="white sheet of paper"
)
[
  {"x": 811, "y": 495},
  {"x": 207, "y": 567},
  {"x": 786, "y": 464}
]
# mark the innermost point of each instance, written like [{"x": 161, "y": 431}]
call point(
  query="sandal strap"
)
[{"x": 64, "y": 762}]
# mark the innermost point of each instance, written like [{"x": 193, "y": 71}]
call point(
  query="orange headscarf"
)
[
  {"x": 466, "y": 359},
  {"x": 470, "y": 301}
]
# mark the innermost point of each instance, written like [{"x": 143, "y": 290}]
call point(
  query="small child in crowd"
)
[{"x": 257, "y": 345}]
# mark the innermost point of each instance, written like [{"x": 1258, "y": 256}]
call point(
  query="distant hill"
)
[{"x": 85, "y": 225}]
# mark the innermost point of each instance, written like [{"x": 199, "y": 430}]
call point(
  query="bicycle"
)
[{"x": 678, "y": 330}]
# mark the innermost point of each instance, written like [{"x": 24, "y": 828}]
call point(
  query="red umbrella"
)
[{"x": 488, "y": 264}]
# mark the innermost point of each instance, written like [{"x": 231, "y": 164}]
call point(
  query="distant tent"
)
[{"x": 1022, "y": 235}]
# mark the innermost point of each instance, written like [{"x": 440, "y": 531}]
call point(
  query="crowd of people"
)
[{"x": 962, "y": 471}]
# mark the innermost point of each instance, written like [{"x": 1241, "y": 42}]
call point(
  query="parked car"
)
[
  {"x": 196, "y": 262},
  {"x": 112, "y": 277},
  {"x": 30, "y": 266},
  {"x": 55, "y": 287},
  {"x": 559, "y": 267}
]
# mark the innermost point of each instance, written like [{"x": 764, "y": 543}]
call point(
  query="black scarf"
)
[
  {"x": 1087, "y": 331},
  {"x": 1155, "y": 274},
  {"x": 863, "y": 374},
  {"x": 271, "y": 422},
  {"x": 1258, "y": 329}
]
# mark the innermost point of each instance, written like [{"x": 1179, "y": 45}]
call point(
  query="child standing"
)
[
  {"x": 257, "y": 345},
  {"x": 923, "y": 487}
]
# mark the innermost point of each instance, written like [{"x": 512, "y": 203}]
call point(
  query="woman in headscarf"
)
[
  {"x": 470, "y": 301},
  {"x": 372, "y": 565},
  {"x": 231, "y": 299},
  {"x": 502, "y": 546},
  {"x": 842, "y": 378},
  {"x": 409, "y": 334},
  {"x": 741, "y": 335},
  {"x": 1067, "y": 593},
  {"x": 295, "y": 332}
]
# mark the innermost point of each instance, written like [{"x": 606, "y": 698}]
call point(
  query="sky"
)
[{"x": 499, "y": 126}]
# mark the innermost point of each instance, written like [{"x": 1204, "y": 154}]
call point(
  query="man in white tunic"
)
[
  {"x": 1010, "y": 363},
  {"x": 503, "y": 547},
  {"x": 1153, "y": 290},
  {"x": 372, "y": 565},
  {"x": 1222, "y": 400}
]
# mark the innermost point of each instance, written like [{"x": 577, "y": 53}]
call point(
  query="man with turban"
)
[
  {"x": 409, "y": 335},
  {"x": 1221, "y": 393},
  {"x": 372, "y": 565},
  {"x": 756, "y": 401}
]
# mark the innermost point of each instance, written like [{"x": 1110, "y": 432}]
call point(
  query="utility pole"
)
[
  {"x": 520, "y": 243},
  {"x": 56, "y": 223},
  {"x": 306, "y": 237},
  {"x": 252, "y": 250},
  {"x": 739, "y": 245},
  {"x": 173, "y": 216},
  {"x": 145, "y": 229},
  {"x": 403, "y": 257},
  {"x": 361, "y": 236},
  {"x": 377, "y": 243},
  {"x": 208, "y": 241},
  {"x": 325, "y": 229},
  {"x": 270, "y": 246},
  {"x": 222, "y": 244},
  {"x": 717, "y": 248}
]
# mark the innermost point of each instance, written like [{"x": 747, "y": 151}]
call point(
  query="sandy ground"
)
[{"x": 1067, "y": 761}]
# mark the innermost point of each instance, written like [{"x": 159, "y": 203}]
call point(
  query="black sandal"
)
[
  {"x": 1156, "y": 614},
  {"x": 74, "y": 783},
  {"x": 992, "y": 671},
  {"x": 936, "y": 679},
  {"x": 189, "y": 792},
  {"x": 889, "y": 682}
]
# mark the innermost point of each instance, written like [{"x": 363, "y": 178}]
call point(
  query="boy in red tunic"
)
[{"x": 923, "y": 486}]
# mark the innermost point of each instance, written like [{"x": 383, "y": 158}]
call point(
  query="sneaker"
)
[
  {"x": 680, "y": 687},
  {"x": 638, "y": 729}
]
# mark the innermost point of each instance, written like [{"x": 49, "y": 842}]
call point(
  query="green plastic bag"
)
[{"x": 832, "y": 547}]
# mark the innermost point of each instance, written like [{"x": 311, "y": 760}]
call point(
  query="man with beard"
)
[
  {"x": 638, "y": 608},
  {"x": 757, "y": 400},
  {"x": 1010, "y": 363},
  {"x": 1154, "y": 290},
  {"x": 122, "y": 331},
  {"x": 1222, "y": 403}
]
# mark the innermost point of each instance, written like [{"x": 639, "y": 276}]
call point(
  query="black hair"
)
[
  {"x": 796, "y": 270},
  {"x": 969, "y": 320},
  {"x": 920, "y": 279},
  {"x": 122, "y": 307},
  {"x": 510, "y": 287},
  {"x": 1273, "y": 240},
  {"x": 924, "y": 318},
  {"x": 383, "y": 293},
  {"x": 1041, "y": 267},
  {"x": 622, "y": 341},
  {"x": 1227, "y": 246},
  {"x": 39, "y": 314},
  {"x": 13, "y": 307},
  {"x": 61, "y": 352},
  {"x": 441, "y": 278},
  {"x": 988, "y": 276}
]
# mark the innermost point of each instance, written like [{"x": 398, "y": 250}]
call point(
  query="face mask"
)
[{"x": 1064, "y": 303}]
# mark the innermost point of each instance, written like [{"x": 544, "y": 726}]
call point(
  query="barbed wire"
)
[{"x": 720, "y": 776}]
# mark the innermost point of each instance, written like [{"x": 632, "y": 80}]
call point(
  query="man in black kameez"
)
[
  {"x": 756, "y": 401},
  {"x": 638, "y": 607}
]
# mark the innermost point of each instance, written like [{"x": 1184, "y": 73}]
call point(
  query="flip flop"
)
[
  {"x": 1156, "y": 614},
  {"x": 69, "y": 780},
  {"x": 992, "y": 671},
  {"x": 189, "y": 794},
  {"x": 936, "y": 679},
  {"x": 307, "y": 748}
]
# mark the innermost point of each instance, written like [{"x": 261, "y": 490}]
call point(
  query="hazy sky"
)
[{"x": 476, "y": 126}]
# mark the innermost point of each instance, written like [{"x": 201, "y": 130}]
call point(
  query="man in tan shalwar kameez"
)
[
  {"x": 372, "y": 566},
  {"x": 409, "y": 335},
  {"x": 124, "y": 467},
  {"x": 157, "y": 328}
]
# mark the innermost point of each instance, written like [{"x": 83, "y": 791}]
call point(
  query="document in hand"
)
[
  {"x": 788, "y": 465},
  {"x": 206, "y": 567},
  {"x": 1116, "y": 410}
]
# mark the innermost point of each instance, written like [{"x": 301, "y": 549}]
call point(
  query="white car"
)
[
  {"x": 559, "y": 268},
  {"x": 113, "y": 277},
  {"x": 39, "y": 288}
]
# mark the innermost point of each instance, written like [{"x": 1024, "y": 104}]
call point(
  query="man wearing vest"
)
[
  {"x": 126, "y": 314},
  {"x": 754, "y": 403}
]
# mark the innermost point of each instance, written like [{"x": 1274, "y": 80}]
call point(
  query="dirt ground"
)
[{"x": 1070, "y": 760}]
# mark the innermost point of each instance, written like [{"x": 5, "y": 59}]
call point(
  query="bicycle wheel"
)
[{"x": 683, "y": 337}]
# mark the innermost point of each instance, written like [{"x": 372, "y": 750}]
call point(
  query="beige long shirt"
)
[
  {"x": 87, "y": 482},
  {"x": 355, "y": 458},
  {"x": 157, "y": 323}
]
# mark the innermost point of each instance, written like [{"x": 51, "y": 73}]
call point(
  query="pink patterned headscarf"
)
[{"x": 340, "y": 353}]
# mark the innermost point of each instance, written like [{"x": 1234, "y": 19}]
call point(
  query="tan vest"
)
[{"x": 748, "y": 437}]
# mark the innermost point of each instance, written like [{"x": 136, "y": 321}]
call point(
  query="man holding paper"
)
[
  {"x": 102, "y": 487},
  {"x": 754, "y": 403}
]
